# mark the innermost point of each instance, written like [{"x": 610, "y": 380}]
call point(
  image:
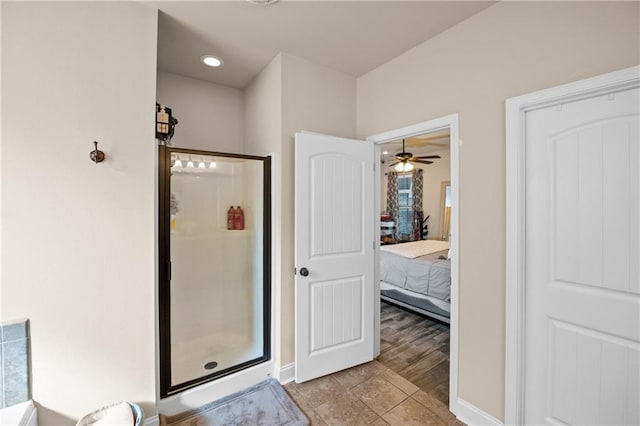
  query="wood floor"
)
[{"x": 417, "y": 348}]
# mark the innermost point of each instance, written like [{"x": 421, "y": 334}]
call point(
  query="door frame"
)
[
  {"x": 516, "y": 108},
  {"x": 448, "y": 122}
]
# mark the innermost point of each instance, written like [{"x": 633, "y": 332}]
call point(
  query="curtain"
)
[
  {"x": 392, "y": 199},
  {"x": 417, "y": 186}
]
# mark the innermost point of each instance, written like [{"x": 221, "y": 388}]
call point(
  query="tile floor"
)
[{"x": 369, "y": 394}]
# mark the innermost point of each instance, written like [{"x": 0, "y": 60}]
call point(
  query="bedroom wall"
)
[
  {"x": 78, "y": 254},
  {"x": 433, "y": 176},
  {"x": 509, "y": 49},
  {"x": 210, "y": 116}
]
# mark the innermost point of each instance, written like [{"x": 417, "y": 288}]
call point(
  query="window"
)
[{"x": 405, "y": 205}]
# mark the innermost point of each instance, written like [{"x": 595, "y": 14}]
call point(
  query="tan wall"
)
[
  {"x": 263, "y": 135},
  {"x": 317, "y": 99},
  {"x": 210, "y": 116},
  {"x": 509, "y": 49},
  {"x": 78, "y": 254},
  {"x": 263, "y": 110}
]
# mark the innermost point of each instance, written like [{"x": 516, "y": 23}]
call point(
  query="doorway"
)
[{"x": 450, "y": 124}]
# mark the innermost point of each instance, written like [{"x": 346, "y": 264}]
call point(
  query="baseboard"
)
[
  {"x": 287, "y": 373},
  {"x": 152, "y": 421},
  {"x": 472, "y": 415}
]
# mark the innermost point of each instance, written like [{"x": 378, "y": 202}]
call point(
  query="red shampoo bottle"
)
[{"x": 238, "y": 219}]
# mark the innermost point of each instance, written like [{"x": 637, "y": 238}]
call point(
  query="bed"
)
[{"x": 417, "y": 276}]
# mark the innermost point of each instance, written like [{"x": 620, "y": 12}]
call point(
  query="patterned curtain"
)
[
  {"x": 417, "y": 186},
  {"x": 392, "y": 198}
]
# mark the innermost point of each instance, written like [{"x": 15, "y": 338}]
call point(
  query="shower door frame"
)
[{"x": 164, "y": 270}]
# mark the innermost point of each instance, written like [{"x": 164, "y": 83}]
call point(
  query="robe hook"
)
[{"x": 96, "y": 155}]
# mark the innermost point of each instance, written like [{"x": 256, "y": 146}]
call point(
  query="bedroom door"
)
[
  {"x": 582, "y": 253},
  {"x": 334, "y": 249}
]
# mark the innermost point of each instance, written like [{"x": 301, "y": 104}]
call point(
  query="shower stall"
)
[{"x": 214, "y": 265}]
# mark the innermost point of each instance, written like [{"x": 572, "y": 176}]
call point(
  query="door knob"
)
[{"x": 304, "y": 272}]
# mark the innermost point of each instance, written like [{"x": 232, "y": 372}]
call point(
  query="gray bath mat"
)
[{"x": 263, "y": 404}]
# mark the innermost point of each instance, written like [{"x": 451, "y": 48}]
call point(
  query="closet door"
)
[{"x": 582, "y": 253}]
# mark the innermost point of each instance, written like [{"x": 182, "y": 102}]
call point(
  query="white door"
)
[
  {"x": 582, "y": 253},
  {"x": 334, "y": 254}
]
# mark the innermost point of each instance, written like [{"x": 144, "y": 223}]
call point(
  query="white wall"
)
[
  {"x": 210, "y": 116},
  {"x": 263, "y": 110},
  {"x": 506, "y": 50},
  {"x": 78, "y": 238},
  {"x": 217, "y": 319},
  {"x": 317, "y": 99},
  {"x": 263, "y": 130},
  {"x": 299, "y": 95},
  {"x": 433, "y": 176},
  {"x": 201, "y": 305}
]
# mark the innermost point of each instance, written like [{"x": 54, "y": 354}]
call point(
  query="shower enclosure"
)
[{"x": 214, "y": 265}]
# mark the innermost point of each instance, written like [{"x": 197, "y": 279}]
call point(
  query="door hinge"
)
[{"x": 295, "y": 271}]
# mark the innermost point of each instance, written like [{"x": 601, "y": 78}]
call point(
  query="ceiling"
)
[
  {"x": 418, "y": 145},
  {"x": 353, "y": 37}
]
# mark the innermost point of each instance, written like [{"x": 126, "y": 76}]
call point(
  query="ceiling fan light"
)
[{"x": 403, "y": 167}]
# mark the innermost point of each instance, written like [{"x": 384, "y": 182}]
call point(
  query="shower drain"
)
[{"x": 210, "y": 365}]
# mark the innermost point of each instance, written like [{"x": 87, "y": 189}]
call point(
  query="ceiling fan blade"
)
[
  {"x": 427, "y": 156},
  {"x": 393, "y": 164},
  {"x": 413, "y": 160}
]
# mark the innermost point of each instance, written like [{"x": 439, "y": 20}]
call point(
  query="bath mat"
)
[{"x": 263, "y": 404}]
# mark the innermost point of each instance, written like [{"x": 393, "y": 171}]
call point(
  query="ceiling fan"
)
[{"x": 406, "y": 158}]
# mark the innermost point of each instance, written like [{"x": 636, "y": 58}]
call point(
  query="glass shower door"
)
[{"x": 215, "y": 244}]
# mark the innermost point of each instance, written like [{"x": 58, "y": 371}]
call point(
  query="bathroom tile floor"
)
[{"x": 368, "y": 394}]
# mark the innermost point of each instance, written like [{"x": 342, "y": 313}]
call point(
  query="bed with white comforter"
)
[{"x": 417, "y": 275}]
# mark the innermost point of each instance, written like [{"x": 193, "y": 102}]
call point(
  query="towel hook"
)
[{"x": 96, "y": 155}]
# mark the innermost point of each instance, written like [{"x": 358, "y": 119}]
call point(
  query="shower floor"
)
[{"x": 189, "y": 357}]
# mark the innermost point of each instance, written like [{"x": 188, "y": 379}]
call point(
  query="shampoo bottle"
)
[
  {"x": 230, "y": 217},
  {"x": 238, "y": 219}
]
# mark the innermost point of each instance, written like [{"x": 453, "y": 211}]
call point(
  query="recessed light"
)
[
  {"x": 385, "y": 152},
  {"x": 211, "y": 61}
]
